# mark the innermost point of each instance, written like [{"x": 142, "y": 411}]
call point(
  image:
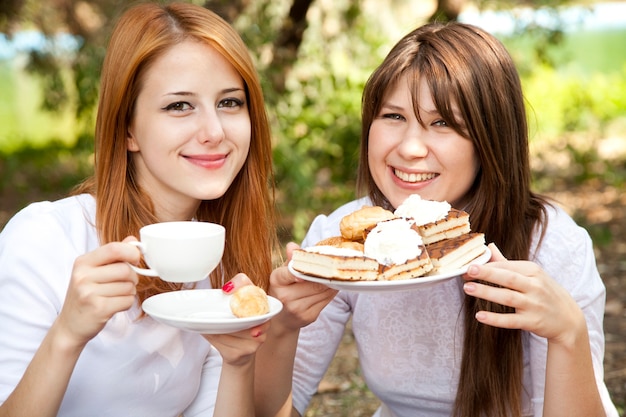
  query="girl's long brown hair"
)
[
  {"x": 466, "y": 67},
  {"x": 143, "y": 34}
]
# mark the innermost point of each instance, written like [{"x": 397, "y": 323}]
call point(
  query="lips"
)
[
  {"x": 414, "y": 177},
  {"x": 207, "y": 161}
]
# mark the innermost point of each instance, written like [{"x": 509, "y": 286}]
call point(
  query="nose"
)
[
  {"x": 414, "y": 142},
  {"x": 211, "y": 128}
]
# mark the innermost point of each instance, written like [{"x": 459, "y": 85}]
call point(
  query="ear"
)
[{"x": 131, "y": 142}]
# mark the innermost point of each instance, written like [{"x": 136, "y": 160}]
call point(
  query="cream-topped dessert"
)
[
  {"x": 422, "y": 211},
  {"x": 377, "y": 244},
  {"x": 435, "y": 220},
  {"x": 393, "y": 242}
]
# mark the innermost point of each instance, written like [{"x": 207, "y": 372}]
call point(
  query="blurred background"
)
[{"x": 314, "y": 57}]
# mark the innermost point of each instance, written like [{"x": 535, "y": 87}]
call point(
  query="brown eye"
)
[
  {"x": 231, "y": 102},
  {"x": 178, "y": 106},
  {"x": 392, "y": 116}
]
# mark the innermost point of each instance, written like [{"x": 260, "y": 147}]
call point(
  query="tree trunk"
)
[
  {"x": 447, "y": 10},
  {"x": 288, "y": 42}
]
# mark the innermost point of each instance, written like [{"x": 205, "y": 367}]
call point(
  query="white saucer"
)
[
  {"x": 400, "y": 285},
  {"x": 203, "y": 311}
]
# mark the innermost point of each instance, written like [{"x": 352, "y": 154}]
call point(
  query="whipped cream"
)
[
  {"x": 333, "y": 250},
  {"x": 393, "y": 242},
  {"x": 422, "y": 211}
]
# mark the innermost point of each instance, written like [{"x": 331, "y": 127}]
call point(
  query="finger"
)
[
  {"x": 518, "y": 275},
  {"x": 499, "y": 295},
  {"x": 291, "y": 246},
  {"x": 117, "y": 289},
  {"x": 281, "y": 277},
  {"x": 258, "y": 332},
  {"x": 505, "y": 321},
  {"x": 496, "y": 255},
  {"x": 85, "y": 274},
  {"x": 237, "y": 282},
  {"x": 111, "y": 253}
]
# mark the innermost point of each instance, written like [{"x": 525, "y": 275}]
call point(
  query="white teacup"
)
[{"x": 185, "y": 251}]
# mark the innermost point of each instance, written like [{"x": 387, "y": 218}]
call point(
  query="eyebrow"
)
[
  {"x": 391, "y": 106},
  {"x": 189, "y": 93}
]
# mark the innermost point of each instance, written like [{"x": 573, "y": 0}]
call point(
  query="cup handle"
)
[{"x": 142, "y": 271}]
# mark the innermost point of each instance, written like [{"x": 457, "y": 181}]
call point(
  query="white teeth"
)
[{"x": 412, "y": 177}]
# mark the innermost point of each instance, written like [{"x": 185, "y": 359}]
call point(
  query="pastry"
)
[
  {"x": 249, "y": 301},
  {"x": 335, "y": 263},
  {"x": 341, "y": 242},
  {"x": 451, "y": 254},
  {"x": 434, "y": 220},
  {"x": 421, "y": 237},
  {"x": 354, "y": 225},
  {"x": 455, "y": 223},
  {"x": 399, "y": 250}
]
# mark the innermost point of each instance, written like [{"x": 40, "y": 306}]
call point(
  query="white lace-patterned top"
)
[
  {"x": 410, "y": 342},
  {"x": 132, "y": 368}
]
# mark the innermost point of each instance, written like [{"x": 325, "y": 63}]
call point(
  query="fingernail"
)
[
  {"x": 228, "y": 287},
  {"x": 481, "y": 316},
  {"x": 472, "y": 270},
  {"x": 469, "y": 287}
]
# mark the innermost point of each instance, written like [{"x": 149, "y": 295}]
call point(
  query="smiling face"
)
[
  {"x": 190, "y": 131},
  {"x": 406, "y": 157}
]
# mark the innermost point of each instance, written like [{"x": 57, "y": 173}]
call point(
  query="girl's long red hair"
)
[{"x": 246, "y": 210}]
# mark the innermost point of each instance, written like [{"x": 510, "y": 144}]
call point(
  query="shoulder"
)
[
  {"x": 62, "y": 226},
  {"x": 324, "y": 226},
  {"x": 566, "y": 252},
  {"x": 561, "y": 233},
  {"x": 39, "y": 245}
]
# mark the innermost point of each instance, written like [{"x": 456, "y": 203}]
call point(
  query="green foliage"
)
[
  {"x": 316, "y": 120},
  {"x": 22, "y": 122},
  {"x": 33, "y": 173}
]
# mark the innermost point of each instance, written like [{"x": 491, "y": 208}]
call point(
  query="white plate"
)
[
  {"x": 379, "y": 286},
  {"x": 203, "y": 311}
]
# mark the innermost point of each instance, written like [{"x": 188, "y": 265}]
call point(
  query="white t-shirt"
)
[
  {"x": 410, "y": 342},
  {"x": 134, "y": 368}
]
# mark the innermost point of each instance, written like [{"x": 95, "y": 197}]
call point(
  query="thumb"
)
[
  {"x": 291, "y": 246},
  {"x": 496, "y": 255}
]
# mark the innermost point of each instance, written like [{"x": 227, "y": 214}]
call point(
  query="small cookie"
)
[
  {"x": 353, "y": 225},
  {"x": 249, "y": 301},
  {"x": 340, "y": 242}
]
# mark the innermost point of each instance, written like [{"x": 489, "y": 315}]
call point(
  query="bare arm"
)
[
  {"x": 302, "y": 303},
  {"x": 46, "y": 378},
  {"x": 546, "y": 309},
  {"x": 569, "y": 374},
  {"x": 235, "y": 395},
  {"x": 101, "y": 285}
]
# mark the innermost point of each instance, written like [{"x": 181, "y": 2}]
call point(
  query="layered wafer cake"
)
[
  {"x": 421, "y": 237},
  {"x": 393, "y": 250},
  {"x": 453, "y": 253},
  {"x": 399, "y": 250},
  {"x": 334, "y": 262},
  {"x": 434, "y": 220}
]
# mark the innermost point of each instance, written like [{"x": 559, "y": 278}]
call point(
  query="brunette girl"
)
[{"x": 443, "y": 117}]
